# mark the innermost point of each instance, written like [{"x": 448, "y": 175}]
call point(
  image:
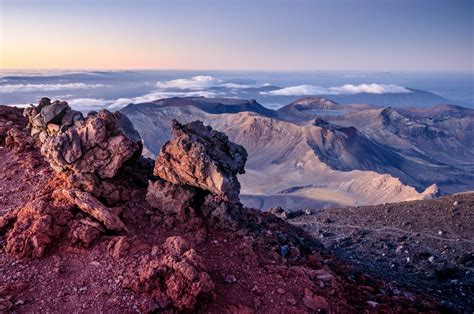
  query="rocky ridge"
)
[{"x": 76, "y": 192}]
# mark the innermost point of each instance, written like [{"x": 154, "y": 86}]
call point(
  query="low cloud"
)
[
  {"x": 201, "y": 82},
  {"x": 14, "y": 88},
  {"x": 369, "y": 88},
  {"x": 347, "y": 89},
  {"x": 89, "y": 104},
  {"x": 297, "y": 91}
]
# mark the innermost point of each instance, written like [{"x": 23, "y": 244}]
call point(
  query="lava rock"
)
[{"x": 199, "y": 156}]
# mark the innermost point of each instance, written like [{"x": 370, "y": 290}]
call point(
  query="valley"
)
[{"x": 298, "y": 159}]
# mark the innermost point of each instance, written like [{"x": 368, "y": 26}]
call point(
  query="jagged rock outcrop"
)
[
  {"x": 176, "y": 275},
  {"x": 198, "y": 168},
  {"x": 201, "y": 157},
  {"x": 99, "y": 144},
  {"x": 89, "y": 150}
]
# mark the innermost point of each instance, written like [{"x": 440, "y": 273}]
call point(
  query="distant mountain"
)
[
  {"x": 415, "y": 97},
  {"x": 437, "y": 143},
  {"x": 215, "y": 105},
  {"x": 341, "y": 159}
]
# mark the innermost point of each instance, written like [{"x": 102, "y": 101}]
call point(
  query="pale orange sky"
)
[{"x": 210, "y": 34}]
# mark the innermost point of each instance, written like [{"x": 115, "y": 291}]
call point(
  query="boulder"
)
[
  {"x": 99, "y": 144},
  {"x": 196, "y": 155},
  {"x": 90, "y": 205}
]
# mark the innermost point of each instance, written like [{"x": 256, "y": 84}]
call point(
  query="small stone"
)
[
  {"x": 281, "y": 291},
  {"x": 325, "y": 277},
  {"x": 440, "y": 232},
  {"x": 372, "y": 303},
  {"x": 230, "y": 279},
  {"x": 455, "y": 203},
  {"x": 431, "y": 259},
  {"x": 19, "y": 302},
  {"x": 284, "y": 250}
]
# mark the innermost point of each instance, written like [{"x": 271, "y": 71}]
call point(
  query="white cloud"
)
[
  {"x": 13, "y": 88},
  {"x": 88, "y": 104},
  {"x": 297, "y": 90},
  {"x": 200, "y": 82},
  {"x": 369, "y": 88},
  {"x": 347, "y": 89}
]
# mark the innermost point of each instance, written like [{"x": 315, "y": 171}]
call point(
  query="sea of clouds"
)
[
  {"x": 87, "y": 91},
  {"x": 347, "y": 89}
]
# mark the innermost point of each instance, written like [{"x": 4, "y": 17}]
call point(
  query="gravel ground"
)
[{"x": 427, "y": 246}]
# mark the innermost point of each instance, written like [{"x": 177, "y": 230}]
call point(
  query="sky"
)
[{"x": 379, "y": 35}]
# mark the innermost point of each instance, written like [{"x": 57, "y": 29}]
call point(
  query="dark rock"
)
[{"x": 54, "y": 112}]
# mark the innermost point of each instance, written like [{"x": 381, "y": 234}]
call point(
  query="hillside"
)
[
  {"x": 302, "y": 158},
  {"x": 428, "y": 245}
]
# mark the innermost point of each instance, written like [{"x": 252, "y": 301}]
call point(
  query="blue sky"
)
[{"x": 377, "y": 35}]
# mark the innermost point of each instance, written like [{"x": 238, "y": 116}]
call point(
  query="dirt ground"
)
[{"x": 427, "y": 246}]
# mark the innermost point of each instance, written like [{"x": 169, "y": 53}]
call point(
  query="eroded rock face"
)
[
  {"x": 98, "y": 144},
  {"x": 201, "y": 157},
  {"x": 36, "y": 226},
  {"x": 175, "y": 276}
]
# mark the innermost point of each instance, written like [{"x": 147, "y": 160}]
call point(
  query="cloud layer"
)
[
  {"x": 88, "y": 104},
  {"x": 13, "y": 88},
  {"x": 201, "y": 82},
  {"x": 306, "y": 90}
]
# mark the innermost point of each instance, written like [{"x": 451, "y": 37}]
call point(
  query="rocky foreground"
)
[{"x": 89, "y": 225}]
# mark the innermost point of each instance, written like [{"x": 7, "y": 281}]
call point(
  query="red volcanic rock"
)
[
  {"x": 10, "y": 117},
  {"x": 177, "y": 278},
  {"x": 199, "y": 168},
  {"x": 37, "y": 225},
  {"x": 18, "y": 140},
  {"x": 86, "y": 231},
  {"x": 315, "y": 303},
  {"x": 199, "y": 156},
  {"x": 89, "y": 204}
]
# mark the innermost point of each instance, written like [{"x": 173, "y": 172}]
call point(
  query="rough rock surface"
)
[
  {"x": 201, "y": 157},
  {"x": 36, "y": 226},
  {"x": 198, "y": 171},
  {"x": 175, "y": 275},
  {"x": 170, "y": 198},
  {"x": 99, "y": 144},
  {"x": 93, "y": 207}
]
